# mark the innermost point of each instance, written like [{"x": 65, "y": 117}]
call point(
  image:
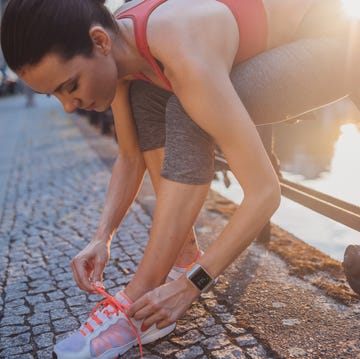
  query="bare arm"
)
[
  {"x": 209, "y": 97},
  {"x": 127, "y": 175},
  {"x": 228, "y": 122},
  {"x": 128, "y": 170}
]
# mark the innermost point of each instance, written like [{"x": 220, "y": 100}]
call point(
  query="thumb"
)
[{"x": 97, "y": 276}]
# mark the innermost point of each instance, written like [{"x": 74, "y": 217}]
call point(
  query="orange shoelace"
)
[{"x": 117, "y": 308}]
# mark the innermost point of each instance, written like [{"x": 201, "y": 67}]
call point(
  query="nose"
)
[
  {"x": 69, "y": 108},
  {"x": 70, "y": 104}
]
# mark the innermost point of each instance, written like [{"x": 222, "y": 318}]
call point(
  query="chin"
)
[{"x": 101, "y": 108}]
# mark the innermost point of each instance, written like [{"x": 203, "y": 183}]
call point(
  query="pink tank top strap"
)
[
  {"x": 252, "y": 22},
  {"x": 140, "y": 14}
]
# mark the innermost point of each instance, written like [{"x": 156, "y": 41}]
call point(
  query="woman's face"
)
[{"x": 79, "y": 83}]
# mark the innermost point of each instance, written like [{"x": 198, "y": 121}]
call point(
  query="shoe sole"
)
[
  {"x": 149, "y": 337},
  {"x": 156, "y": 334}
]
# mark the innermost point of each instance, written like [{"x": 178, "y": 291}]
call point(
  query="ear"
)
[{"x": 101, "y": 39}]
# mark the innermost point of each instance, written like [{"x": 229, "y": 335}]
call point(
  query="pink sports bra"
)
[{"x": 249, "y": 14}]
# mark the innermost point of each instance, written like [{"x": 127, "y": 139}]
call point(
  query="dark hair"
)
[{"x": 30, "y": 29}]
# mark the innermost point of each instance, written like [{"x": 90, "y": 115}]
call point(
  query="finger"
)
[
  {"x": 81, "y": 275},
  {"x": 146, "y": 311},
  {"x": 163, "y": 323},
  {"x": 157, "y": 317},
  {"x": 74, "y": 270},
  {"x": 152, "y": 305},
  {"x": 137, "y": 305},
  {"x": 97, "y": 276}
]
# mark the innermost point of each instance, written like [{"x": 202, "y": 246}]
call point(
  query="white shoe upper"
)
[{"x": 108, "y": 332}]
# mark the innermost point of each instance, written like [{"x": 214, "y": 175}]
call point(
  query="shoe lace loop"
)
[{"x": 117, "y": 306}]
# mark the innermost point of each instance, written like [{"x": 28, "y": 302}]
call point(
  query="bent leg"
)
[
  {"x": 290, "y": 80},
  {"x": 149, "y": 106},
  {"x": 154, "y": 162},
  {"x": 177, "y": 207},
  {"x": 313, "y": 70}
]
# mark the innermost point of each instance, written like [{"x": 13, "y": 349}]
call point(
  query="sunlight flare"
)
[
  {"x": 352, "y": 8},
  {"x": 345, "y": 164}
]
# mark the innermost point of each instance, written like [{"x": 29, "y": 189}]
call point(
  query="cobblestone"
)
[
  {"x": 189, "y": 338},
  {"x": 216, "y": 342},
  {"x": 246, "y": 340},
  {"x": 53, "y": 188},
  {"x": 189, "y": 353},
  {"x": 16, "y": 340},
  {"x": 40, "y": 329},
  {"x": 257, "y": 352},
  {"x": 234, "y": 331},
  {"x": 35, "y": 299},
  {"x": 39, "y": 318},
  {"x": 67, "y": 324},
  {"x": 229, "y": 352},
  {"x": 44, "y": 340},
  {"x": 10, "y": 330},
  {"x": 18, "y": 350},
  {"x": 12, "y": 320}
]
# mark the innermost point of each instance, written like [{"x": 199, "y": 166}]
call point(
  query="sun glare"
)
[
  {"x": 345, "y": 168},
  {"x": 350, "y": 131},
  {"x": 352, "y": 8}
]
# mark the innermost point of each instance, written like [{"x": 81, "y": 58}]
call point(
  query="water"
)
[{"x": 321, "y": 152}]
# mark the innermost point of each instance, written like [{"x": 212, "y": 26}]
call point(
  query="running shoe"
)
[{"x": 108, "y": 332}]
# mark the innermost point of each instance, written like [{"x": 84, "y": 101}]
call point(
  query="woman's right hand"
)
[{"x": 88, "y": 266}]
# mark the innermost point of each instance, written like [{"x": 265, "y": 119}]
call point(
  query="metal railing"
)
[
  {"x": 336, "y": 209},
  {"x": 333, "y": 208}
]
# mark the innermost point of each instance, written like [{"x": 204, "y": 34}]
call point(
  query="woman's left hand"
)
[{"x": 165, "y": 304}]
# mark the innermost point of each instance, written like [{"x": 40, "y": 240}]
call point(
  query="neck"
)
[{"x": 127, "y": 57}]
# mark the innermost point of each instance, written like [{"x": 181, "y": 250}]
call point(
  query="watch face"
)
[{"x": 201, "y": 279}]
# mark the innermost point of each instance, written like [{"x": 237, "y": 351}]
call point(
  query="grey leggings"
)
[{"x": 276, "y": 85}]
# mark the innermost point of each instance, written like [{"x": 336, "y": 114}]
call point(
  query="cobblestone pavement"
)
[{"x": 52, "y": 190}]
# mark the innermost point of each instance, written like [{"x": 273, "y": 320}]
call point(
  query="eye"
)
[{"x": 73, "y": 87}]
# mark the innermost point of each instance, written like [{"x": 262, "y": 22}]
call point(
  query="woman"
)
[{"x": 187, "y": 99}]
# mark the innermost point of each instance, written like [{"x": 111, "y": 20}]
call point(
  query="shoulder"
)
[
  {"x": 188, "y": 15},
  {"x": 206, "y": 29}
]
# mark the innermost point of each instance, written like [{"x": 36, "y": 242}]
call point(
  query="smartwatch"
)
[{"x": 199, "y": 278}]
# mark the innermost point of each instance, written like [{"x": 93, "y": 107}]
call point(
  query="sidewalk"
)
[{"x": 54, "y": 171}]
